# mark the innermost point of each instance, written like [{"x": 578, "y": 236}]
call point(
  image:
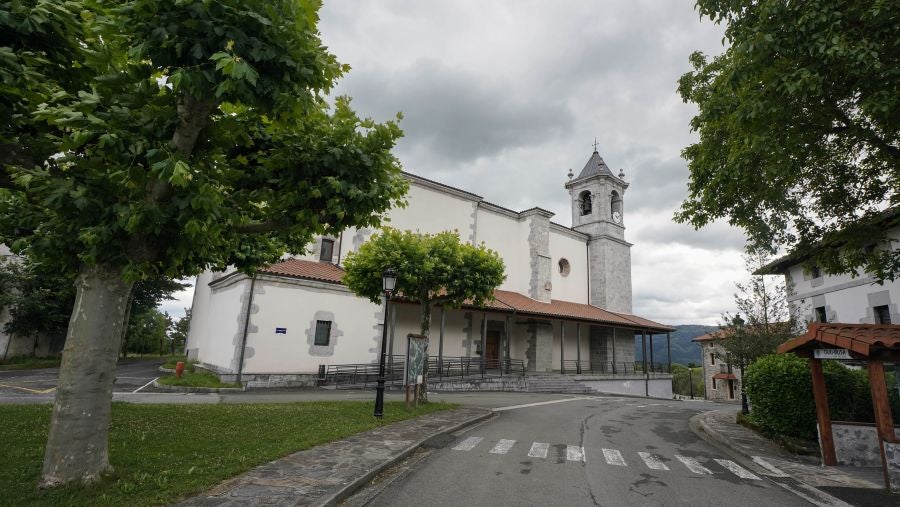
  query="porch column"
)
[
  {"x": 441, "y": 344},
  {"x": 669, "y": 351},
  {"x": 826, "y": 438},
  {"x": 883, "y": 422},
  {"x": 644, "y": 360},
  {"x": 651, "y": 351},
  {"x": 562, "y": 347},
  {"x": 614, "y": 351},
  {"x": 578, "y": 347},
  {"x": 483, "y": 340},
  {"x": 508, "y": 339}
]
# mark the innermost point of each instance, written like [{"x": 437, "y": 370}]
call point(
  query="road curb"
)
[{"x": 358, "y": 483}]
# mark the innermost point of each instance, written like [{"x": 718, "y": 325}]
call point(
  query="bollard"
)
[{"x": 179, "y": 369}]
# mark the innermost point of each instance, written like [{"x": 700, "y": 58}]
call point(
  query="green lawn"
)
[
  {"x": 165, "y": 452},
  {"x": 29, "y": 363},
  {"x": 195, "y": 379}
]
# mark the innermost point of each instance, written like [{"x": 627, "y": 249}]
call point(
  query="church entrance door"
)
[{"x": 492, "y": 348}]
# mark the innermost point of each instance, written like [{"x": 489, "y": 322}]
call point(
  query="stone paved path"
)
[
  {"x": 326, "y": 473},
  {"x": 720, "y": 425}
]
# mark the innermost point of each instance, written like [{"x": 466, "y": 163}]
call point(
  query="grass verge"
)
[
  {"x": 172, "y": 362},
  {"x": 790, "y": 444},
  {"x": 196, "y": 379},
  {"x": 165, "y": 452},
  {"x": 29, "y": 363}
]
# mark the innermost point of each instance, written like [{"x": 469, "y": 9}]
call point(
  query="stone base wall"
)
[
  {"x": 516, "y": 384},
  {"x": 258, "y": 381},
  {"x": 856, "y": 444}
]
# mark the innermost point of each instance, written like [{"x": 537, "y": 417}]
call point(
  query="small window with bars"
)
[
  {"x": 882, "y": 314},
  {"x": 821, "y": 316},
  {"x": 323, "y": 333},
  {"x": 327, "y": 250}
]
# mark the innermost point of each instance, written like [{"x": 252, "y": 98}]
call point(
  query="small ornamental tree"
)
[
  {"x": 764, "y": 320},
  {"x": 432, "y": 269},
  {"x": 150, "y": 138},
  {"x": 799, "y": 129}
]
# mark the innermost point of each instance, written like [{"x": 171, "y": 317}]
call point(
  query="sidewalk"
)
[
  {"x": 858, "y": 486},
  {"x": 326, "y": 474}
]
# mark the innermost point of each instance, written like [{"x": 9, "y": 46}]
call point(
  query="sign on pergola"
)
[{"x": 873, "y": 343}]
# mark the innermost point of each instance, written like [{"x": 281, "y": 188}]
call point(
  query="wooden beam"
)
[
  {"x": 823, "y": 416},
  {"x": 884, "y": 424}
]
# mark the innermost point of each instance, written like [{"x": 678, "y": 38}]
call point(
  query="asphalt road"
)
[
  {"x": 585, "y": 452},
  {"x": 39, "y": 386}
]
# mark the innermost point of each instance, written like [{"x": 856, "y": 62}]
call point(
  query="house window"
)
[
  {"x": 327, "y": 250},
  {"x": 714, "y": 383},
  {"x": 882, "y": 314},
  {"x": 712, "y": 358},
  {"x": 816, "y": 272},
  {"x": 323, "y": 333},
  {"x": 564, "y": 267},
  {"x": 821, "y": 316},
  {"x": 586, "y": 205}
]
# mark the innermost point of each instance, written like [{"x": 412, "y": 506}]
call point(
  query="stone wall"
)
[
  {"x": 856, "y": 444},
  {"x": 635, "y": 385}
]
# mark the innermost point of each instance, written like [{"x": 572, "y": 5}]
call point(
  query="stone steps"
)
[{"x": 556, "y": 384}]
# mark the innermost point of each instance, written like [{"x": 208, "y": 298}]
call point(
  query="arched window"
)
[
  {"x": 586, "y": 205},
  {"x": 615, "y": 206},
  {"x": 564, "y": 267}
]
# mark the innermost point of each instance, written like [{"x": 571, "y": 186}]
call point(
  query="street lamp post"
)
[{"x": 388, "y": 282}]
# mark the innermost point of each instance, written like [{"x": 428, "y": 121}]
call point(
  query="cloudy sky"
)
[{"x": 502, "y": 98}]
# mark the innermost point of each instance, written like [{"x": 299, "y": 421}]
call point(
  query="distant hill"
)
[{"x": 684, "y": 350}]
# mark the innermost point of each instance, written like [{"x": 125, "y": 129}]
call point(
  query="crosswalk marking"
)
[
  {"x": 575, "y": 453},
  {"x": 652, "y": 462},
  {"x": 737, "y": 470},
  {"x": 503, "y": 446},
  {"x": 614, "y": 457},
  {"x": 467, "y": 444},
  {"x": 538, "y": 450},
  {"x": 693, "y": 465},
  {"x": 774, "y": 471}
]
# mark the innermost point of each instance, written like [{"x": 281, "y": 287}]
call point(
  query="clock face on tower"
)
[{"x": 617, "y": 217}]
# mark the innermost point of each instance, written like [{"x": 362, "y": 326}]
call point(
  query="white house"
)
[
  {"x": 567, "y": 294},
  {"x": 841, "y": 298}
]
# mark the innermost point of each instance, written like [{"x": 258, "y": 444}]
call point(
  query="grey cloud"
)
[{"x": 712, "y": 237}]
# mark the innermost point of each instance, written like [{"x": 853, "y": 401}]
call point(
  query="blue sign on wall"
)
[{"x": 280, "y": 330}]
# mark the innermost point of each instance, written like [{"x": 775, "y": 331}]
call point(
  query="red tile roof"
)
[
  {"x": 708, "y": 337},
  {"x": 506, "y": 301},
  {"x": 863, "y": 339},
  {"x": 298, "y": 268},
  {"x": 724, "y": 376}
]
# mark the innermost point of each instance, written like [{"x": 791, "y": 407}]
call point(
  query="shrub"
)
[{"x": 779, "y": 388}]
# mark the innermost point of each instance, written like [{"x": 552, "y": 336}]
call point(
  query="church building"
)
[{"x": 565, "y": 303}]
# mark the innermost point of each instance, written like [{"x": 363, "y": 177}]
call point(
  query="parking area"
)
[{"x": 131, "y": 375}]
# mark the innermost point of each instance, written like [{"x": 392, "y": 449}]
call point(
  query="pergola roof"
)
[{"x": 867, "y": 340}]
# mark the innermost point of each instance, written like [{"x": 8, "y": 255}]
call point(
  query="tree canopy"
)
[
  {"x": 799, "y": 128},
  {"x": 147, "y": 138}
]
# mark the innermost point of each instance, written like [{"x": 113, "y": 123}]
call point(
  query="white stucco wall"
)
[
  {"x": 433, "y": 211},
  {"x": 846, "y": 299},
  {"x": 296, "y": 306},
  {"x": 509, "y": 238},
  {"x": 573, "y": 287},
  {"x": 223, "y": 325}
]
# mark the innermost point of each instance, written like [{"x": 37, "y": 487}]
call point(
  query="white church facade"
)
[{"x": 565, "y": 303}]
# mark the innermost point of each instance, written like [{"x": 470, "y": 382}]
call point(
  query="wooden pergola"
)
[{"x": 873, "y": 343}]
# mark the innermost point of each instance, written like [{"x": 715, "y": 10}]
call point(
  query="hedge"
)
[{"x": 779, "y": 388}]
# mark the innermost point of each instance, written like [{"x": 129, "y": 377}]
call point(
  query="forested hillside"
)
[{"x": 684, "y": 351}]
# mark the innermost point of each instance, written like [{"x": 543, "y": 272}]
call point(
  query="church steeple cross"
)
[{"x": 595, "y": 144}]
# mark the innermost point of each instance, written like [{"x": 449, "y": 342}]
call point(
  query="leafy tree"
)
[
  {"x": 763, "y": 321},
  {"x": 432, "y": 269},
  {"x": 148, "y": 332},
  {"x": 799, "y": 125},
  {"x": 146, "y": 295},
  {"x": 178, "y": 333},
  {"x": 160, "y": 138}
]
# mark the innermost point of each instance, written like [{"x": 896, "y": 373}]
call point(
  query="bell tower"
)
[{"x": 598, "y": 210}]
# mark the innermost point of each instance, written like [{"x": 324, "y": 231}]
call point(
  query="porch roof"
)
[
  {"x": 504, "y": 300},
  {"x": 867, "y": 340}
]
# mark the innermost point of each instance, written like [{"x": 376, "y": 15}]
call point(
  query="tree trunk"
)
[
  {"x": 77, "y": 444},
  {"x": 425, "y": 326}
]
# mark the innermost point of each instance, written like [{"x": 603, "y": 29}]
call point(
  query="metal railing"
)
[
  {"x": 575, "y": 367},
  {"x": 366, "y": 375}
]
